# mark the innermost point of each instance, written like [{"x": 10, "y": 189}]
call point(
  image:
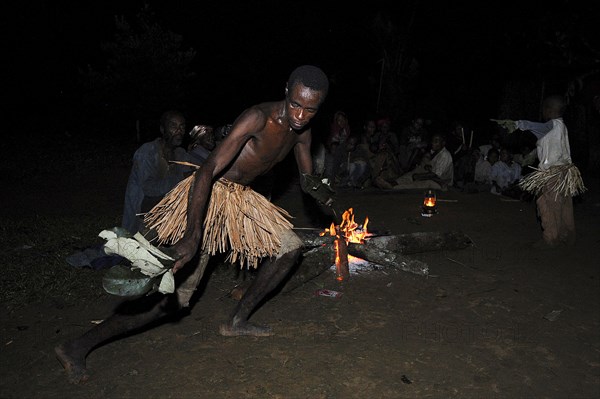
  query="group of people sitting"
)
[
  {"x": 375, "y": 157},
  {"x": 380, "y": 158}
]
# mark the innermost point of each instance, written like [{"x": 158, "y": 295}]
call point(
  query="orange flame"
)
[
  {"x": 429, "y": 202},
  {"x": 350, "y": 231}
]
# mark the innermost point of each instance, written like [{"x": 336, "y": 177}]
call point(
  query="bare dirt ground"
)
[{"x": 473, "y": 328}]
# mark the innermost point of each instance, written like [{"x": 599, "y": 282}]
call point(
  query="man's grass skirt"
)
[{"x": 238, "y": 219}]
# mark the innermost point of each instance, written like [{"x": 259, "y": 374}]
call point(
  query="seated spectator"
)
[
  {"x": 458, "y": 140},
  {"x": 152, "y": 173},
  {"x": 369, "y": 136},
  {"x": 526, "y": 157},
  {"x": 481, "y": 181},
  {"x": 356, "y": 170},
  {"x": 495, "y": 142},
  {"x": 385, "y": 134},
  {"x": 202, "y": 143},
  {"x": 385, "y": 168},
  {"x": 464, "y": 167},
  {"x": 413, "y": 143},
  {"x": 436, "y": 174},
  {"x": 504, "y": 173},
  {"x": 335, "y": 145}
]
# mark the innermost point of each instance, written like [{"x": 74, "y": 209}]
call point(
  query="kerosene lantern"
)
[{"x": 429, "y": 209}]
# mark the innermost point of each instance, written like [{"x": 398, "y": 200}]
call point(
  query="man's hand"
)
[
  {"x": 184, "y": 250},
  {"x": 318, "y": 189},
  {"x": 507, "y": 124}
]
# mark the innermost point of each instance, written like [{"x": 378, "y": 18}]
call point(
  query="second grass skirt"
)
[{"x": 563, "y": 179}]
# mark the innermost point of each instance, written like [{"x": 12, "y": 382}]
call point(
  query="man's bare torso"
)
[{"x": 268, "y": 143}]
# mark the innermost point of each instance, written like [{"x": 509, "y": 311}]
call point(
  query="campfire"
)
[
  {"x": 351, "y": 244},
  {"x": 348, "y": 231}
]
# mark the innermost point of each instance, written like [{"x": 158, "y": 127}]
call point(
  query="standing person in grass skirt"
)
[
  {"x": 225, "y": 214},
  {"x": 556, "y": 179}
]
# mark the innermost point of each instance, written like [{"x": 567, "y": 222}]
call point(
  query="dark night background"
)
[{"x": 439, "y": 60}]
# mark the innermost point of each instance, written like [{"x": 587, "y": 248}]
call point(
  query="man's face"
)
[
  {"x": 370, "y": 128},
  {"x": 173, "y": 130},
  {"x": 437, "y": 143},
  {"x": 302, "y": 104}
]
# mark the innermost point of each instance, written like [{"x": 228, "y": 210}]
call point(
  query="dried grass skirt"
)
[
  {"x": 238, "y": 219},
  {"x": 563, "y": 180}
]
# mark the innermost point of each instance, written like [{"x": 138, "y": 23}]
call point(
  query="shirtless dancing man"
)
[{"x": 260, "y": 137}]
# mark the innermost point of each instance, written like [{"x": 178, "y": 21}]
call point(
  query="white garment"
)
[
  {"x": 441, "y": 165},
  {"x": 504, "y": 175},
  {"x": 553, "y": 142}
]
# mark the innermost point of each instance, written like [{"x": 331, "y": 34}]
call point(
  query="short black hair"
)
[
  {"x": 310, "y": 76},
  {"x": 164, "y": 118},
  {"x": 556, "y": 102},
  {"x": 440, "y": 135},
  {"x": 493, "y": 151}
]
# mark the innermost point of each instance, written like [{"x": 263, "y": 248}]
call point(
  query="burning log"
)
[
  {"x": 324, "y": 249},
  {"x": 391, "y": 250},
  {"x": 342, "y": 268},
  {"x": 385, "y": 257},
  {"x": 387, "y": 251},
  {"x": 414, "y": 243}
]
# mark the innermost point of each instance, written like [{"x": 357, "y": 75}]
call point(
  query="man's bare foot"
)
[
  {"x": 73, "y": 360},
  {"x": 230, "y": 330}
]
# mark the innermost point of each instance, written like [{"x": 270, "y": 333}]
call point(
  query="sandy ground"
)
[{"x": 475, "y": 327}]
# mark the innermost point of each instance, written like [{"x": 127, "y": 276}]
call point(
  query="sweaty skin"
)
[{"x": 260, "y": 138}]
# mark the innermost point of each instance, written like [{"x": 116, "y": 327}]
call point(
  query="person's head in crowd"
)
[
  {"x": 384, "y": 124},
  {"x": 493, "y": 155},
  {"x": 505, "y": 156},
  {"x": 202, "y": 135},
  {"x": 340, "y": 118},
  {"x": 438, "y": 141},
  {"x": 339, "y": 130},
  {"x": 172, "y": 128},
  {"x": 370, "y": 127},
  {"x": 418, "y": 123},
  {"x": 496, "y": 141},
  {"x": 351, "y": 143}
]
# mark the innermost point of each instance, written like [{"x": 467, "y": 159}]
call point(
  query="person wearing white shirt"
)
[
  {"x": 556, "y": 179},
  {"x": 504, "y": 173},
  {"x": 437, "y": 174}
]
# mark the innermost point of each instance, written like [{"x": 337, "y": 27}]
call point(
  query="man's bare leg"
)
[
  {"x": 272, "y": 272},
  {"x": 134, "y": 315},
  {"x": 72, "y": 353}
]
